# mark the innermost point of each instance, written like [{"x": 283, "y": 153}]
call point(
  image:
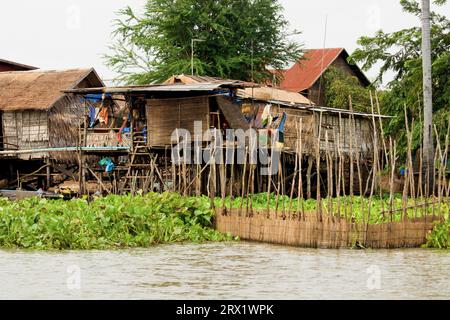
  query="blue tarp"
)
[{"x": 95, "y": 97}]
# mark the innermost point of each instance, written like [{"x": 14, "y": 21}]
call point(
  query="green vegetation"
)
[
  {"x": 240, "y": 39},
  {"x": 440, "y": 236},
  {"x": 340, "y": 85},
  {"x": 359, "y": 206},
  {"x": 399, "y": 52},
  {"x": 109, "y": 222}
]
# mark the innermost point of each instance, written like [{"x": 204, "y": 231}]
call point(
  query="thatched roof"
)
[{"x": 41, "y": 90}]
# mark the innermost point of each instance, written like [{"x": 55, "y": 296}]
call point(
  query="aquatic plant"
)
[
  {"x": 440, "y": 236},
  {"x": 106, "y": 222}
]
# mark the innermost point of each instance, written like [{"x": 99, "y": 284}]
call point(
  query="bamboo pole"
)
[
  {"x": 351, "y": 161},
  {"x": 279, "y": 178},
  {"x": 300, "y": 180},
  {"x": 342, "y": 164},
  {"x": 446, "y": 159},
  {"x": 375, "y": 163},
  {"x": 329, "y": 177},
  {"x": 269, "y": 182},
  {"x": 338, "y": 175},
  {"x": 381, "y": 127},
  {"x": 439, "y": 166},
  {"x": 393, "y": 148},
  {"x": 319, "y": 204},
  {"x": 358, "y": 155},
  {"x": 308, "y": 177},
  {"x": 232, "y": 178},
  {"x": 295, "y": 174},
  {"x": 243, "y": 178},
  {"x": 282, "y": 177}
]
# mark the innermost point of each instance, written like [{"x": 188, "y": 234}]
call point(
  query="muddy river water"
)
[{"x": 237, "y": 270}]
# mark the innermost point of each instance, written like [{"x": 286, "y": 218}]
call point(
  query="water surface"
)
[{"x": 238, "y": 270}]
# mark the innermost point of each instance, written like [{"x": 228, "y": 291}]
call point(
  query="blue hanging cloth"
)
[{"x": 282, "y": 122}]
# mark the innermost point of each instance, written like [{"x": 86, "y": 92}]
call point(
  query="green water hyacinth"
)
[
  {"x": 440, "y": 236},
  {"x": 361, "y": 209},
  {"x": 106, "y": 222}
]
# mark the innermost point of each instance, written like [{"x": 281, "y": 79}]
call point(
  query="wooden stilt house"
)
[{"x": 35, "y": 114}]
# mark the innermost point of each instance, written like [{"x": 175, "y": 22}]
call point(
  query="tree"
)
[
  {"x": 401, "y": 53},
  {"x": 241, "y": 39},
  {"x": 340, "y": 85}
]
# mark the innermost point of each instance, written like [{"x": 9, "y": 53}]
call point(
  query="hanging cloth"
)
[
  {"x": 108, "y": 164},
  {"x": 282, "y": 122},
  {"x": 103, "y": 115},
  {"x": 266, "y": 118},
  {"x": 91, "y": 116},
  {"x": 281, "y": 128}
]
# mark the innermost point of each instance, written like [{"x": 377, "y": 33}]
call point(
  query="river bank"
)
[{"x": 155, "y": 218}]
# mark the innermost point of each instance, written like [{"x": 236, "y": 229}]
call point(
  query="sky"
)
[{"x": 64, "y": 34}]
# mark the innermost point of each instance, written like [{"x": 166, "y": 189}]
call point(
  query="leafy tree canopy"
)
[
  {"x": 340, "y": 85},
  {"x": 240, "y": 40},
  {"x": 400, "y": 52}
]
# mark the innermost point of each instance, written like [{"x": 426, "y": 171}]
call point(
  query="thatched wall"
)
[{"x": 63, "y": 123}]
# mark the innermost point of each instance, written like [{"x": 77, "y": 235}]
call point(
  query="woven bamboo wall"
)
[
  {"x": 334, "y": 128},
  {"x": 292, "y": 129},
  {"x": 311, "y": 233},
  {"x": 26, "y": 130},
  {"x": 166, "y": 115},
  {"x": 108, "y": 139}
]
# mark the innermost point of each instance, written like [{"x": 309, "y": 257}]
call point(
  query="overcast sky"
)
[{"x": 62, "y": 34}]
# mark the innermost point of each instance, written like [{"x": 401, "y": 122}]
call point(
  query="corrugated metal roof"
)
[
  {"x": 303, "y": 74},
  {"x": 253, "y": 90},
  {"x": 203, "y": 86},
  {"x": 328, "y": 110},
  {"x": 18, "y": 65},
  {"x": 190, "y": 79}
]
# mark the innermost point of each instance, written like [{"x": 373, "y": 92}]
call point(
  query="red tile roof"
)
[{"x": 303, "y": 74}]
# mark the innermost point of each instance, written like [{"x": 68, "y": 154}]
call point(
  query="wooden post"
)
[
  {"x": 48, "y": 173},
  {"x": 294, "y": 176},
  {"x": 393, "y": 154},
  {"x": 318, "y": 196},
  {"x": 352, "y": 178},
  {"x": 308, "y": 177}
]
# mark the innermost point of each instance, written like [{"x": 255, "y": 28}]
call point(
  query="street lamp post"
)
[{"x": 192, "y": 53}]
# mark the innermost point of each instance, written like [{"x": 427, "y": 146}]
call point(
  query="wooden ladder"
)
[{"x": 140, "y": 165}]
